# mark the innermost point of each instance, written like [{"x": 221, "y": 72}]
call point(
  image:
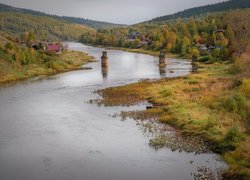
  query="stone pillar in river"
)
[
  {"x": 104, "y": 59},
  {"x": 162, "y": 58},
  {"x": 162, "y": 63}
]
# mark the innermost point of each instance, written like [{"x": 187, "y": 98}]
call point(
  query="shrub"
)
[
  {"x": 204, "y": 53},
  {"x": 9, "y": 46},
  {"x": 243, "y": 63},
  {"x": 245, "y": 87},
  {"x": 236, "y": 103},
  {"x": 230, "y": 141},
  {"x": 204, "y": 58},
  {"x": 166, "y": 92},
  {"x": 217, "y": 53}
]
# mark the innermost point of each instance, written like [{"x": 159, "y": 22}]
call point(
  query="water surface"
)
[{"x": 49, "y": 131}]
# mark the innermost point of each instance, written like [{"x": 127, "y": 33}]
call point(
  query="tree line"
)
[{"x": 213, "y": 38}]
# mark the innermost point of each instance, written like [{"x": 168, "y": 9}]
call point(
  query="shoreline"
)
[
  {"x": 192, "y": 104},
  {"x": 139, "y": 50},
  {"x": 40, "y": 70}
]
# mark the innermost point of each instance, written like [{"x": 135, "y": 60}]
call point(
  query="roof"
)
[{"x": 54, "y": 47}]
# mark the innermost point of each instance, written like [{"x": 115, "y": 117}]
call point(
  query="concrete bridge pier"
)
[
  {"x": 162, "y": 63},
  {"x": 162, "y": 58},
  {"x": 104, "y": 59}
]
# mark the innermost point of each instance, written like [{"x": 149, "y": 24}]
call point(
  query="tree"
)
[
  {"x": 137, "y": 42},
  {"x": 9, "y": 46},
  {"x": 229, "y": 32},
  {"x": 222, "y": 41},
  {"x": 213, "y": 39},
  {"x": 195, "y": 53},
  {"x": 197, "y": 39},
  {"x": 192, "y": 27},
  {"x": 169, "y": 47},
  {"x": 120, "y": 42},
  {"x": 157, "y": 45},
  {"x": 224, "y": 53}
]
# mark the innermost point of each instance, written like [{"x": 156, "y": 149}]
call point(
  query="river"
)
[{"x": 49, "y": 131}]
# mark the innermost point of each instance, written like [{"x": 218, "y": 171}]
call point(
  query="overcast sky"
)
[{"x": 116, "y": 11}]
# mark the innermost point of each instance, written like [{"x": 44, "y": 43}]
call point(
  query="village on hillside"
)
[
  {"x": 141, "y": 40},
  {"x": 29, "y": 39}
]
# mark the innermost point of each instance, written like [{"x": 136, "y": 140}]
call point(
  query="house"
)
[
  {"x": 57, "y": 48},
  {"x": 219, "y": 31},
  {"x": 211, "y": 48},
  {"x": 136, "y": 34},
  {"x": 133, "y": 35},
  {"x": 218, "y": 47},
  {"x": 144, "y": 43},
  {"x": 203, "y": 47}
]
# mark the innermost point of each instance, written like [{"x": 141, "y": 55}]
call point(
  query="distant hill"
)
[
  {"x": 45, "y": 28},
  {"x": 87, "y": 22},
  {"x": 197, "y": 11}
]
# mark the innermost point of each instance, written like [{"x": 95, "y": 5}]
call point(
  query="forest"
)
[
  {"x": 82, "y": 21},
  {"x": 45, "y": 28},
  {"x": 223, "y": 36},
  {"x": 200, "y": 11}
]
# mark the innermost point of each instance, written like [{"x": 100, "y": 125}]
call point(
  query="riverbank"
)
[
  {"x": 139, "y": 50},
  {"x": 212, "y": 103},
  {"x": 66, "y": 61}
]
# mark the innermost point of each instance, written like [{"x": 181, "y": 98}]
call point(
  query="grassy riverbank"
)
[
  {"x": 45, "y": 64},
  {"x": 213, "y": 103}
]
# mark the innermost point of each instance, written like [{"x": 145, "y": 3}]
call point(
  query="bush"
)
[
  {"x": 204, "y": 52},
  {"x": 204, "y": 58},
  {"x": 217, "y": 53},
  {"x": 236, "y": 103},
  {"x": 230, "y": 141},
  {"x": 9, "y": 46},
  {"x": 245, "y": 87},
  {"x": 243, "y": 64},
  {"x": 225, "y": 54},
  {"x": 166, "y": 92}
]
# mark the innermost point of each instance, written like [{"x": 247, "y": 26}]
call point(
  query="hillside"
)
[
  {"x": 224, "y": 33},
  {"x": 44, "y": 27},
  {"x": 87, "y": 22},
  {"x": 198, "y": 11}
]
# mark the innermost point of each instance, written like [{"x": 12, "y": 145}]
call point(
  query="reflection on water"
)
[
  {"x": 49, "y": 131},
  {"x": 105, "y": 72},
  {"x": 162, "y": 66}
]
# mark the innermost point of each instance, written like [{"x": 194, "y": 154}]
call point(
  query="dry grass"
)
[{"x": 211, "y": 103}]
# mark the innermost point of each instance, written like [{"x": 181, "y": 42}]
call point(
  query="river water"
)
[{"x": 49, "y": 131}]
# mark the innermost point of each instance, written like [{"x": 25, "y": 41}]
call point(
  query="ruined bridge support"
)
[
  {"x": 162, "y": 58},
  {"x": 104, "y": 59}
]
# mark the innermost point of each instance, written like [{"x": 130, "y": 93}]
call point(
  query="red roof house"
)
[{"x": 54, "y": 48}]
